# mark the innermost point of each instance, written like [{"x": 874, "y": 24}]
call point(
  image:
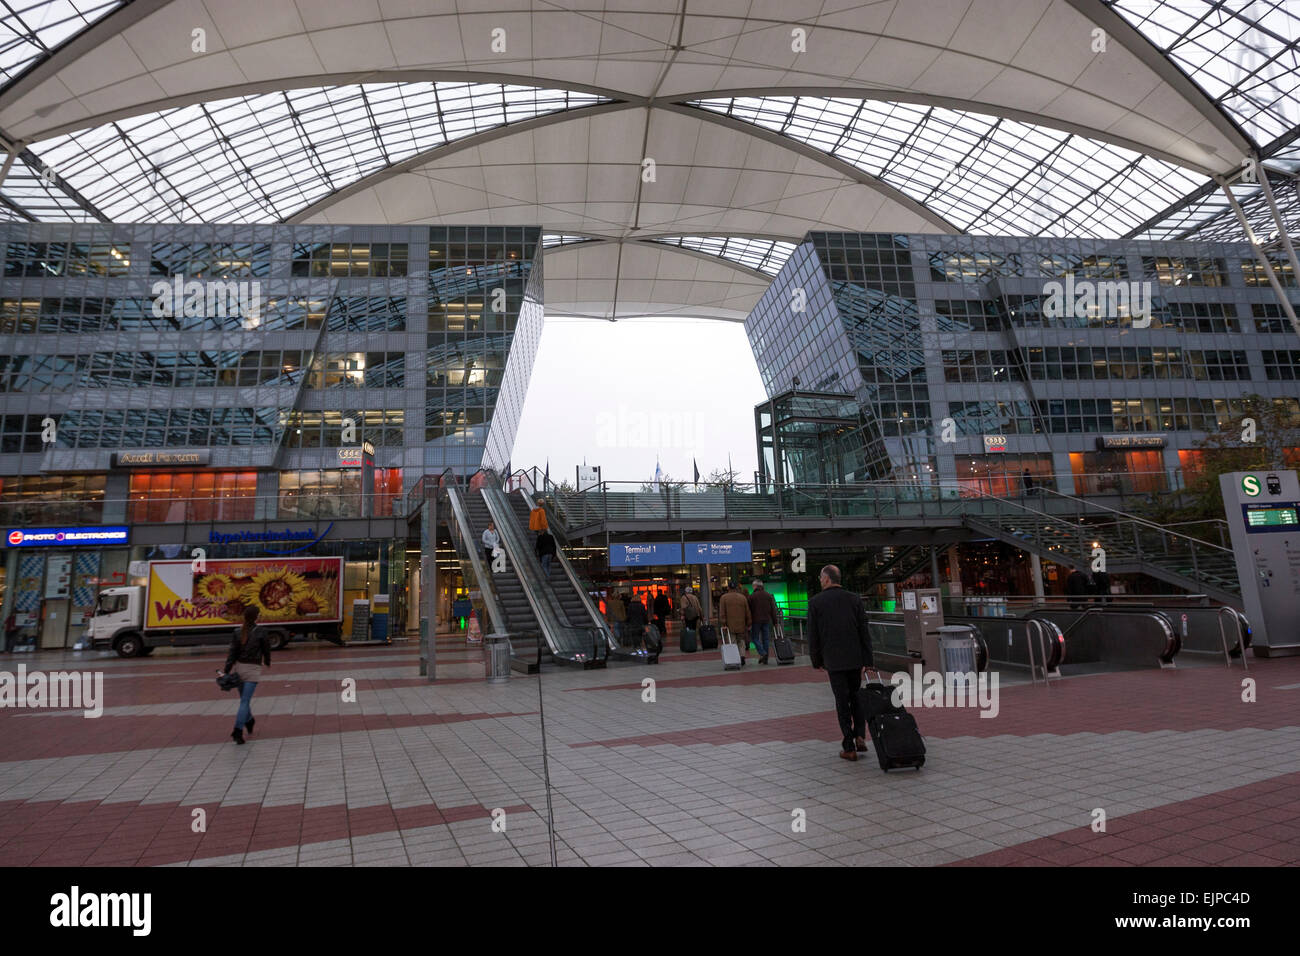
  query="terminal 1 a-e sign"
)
[{"x": 651, "y": 553}]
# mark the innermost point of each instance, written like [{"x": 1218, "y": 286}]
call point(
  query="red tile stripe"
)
[
  {"x": 42, "y": 739},
  {"x": 1202, "y": 698},
  {"x": 1253, "y": 825},
  {"x": 51, "y": 833}
]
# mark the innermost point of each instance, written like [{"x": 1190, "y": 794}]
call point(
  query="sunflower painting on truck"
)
[{"x": 284, "y": 590}]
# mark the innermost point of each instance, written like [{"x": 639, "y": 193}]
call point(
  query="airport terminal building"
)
[
  {"x": 246, "y": 389},
  {"x": 281, "y": 389},
  {"x": 1100, "y": 363}
]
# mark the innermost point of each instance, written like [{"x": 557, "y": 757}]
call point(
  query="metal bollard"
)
[{"x": 496, "y": 658}]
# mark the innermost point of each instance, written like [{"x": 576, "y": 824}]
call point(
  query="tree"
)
[
  {"x": 665, "y": 481},
  {"x": 721, "y": 478},
  {"x": 1257, "y": 441}
]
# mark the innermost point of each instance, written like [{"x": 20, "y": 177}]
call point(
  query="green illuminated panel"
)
[{"x": 1271, "y": 517}]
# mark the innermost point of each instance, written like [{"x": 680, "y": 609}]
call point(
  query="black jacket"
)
[
  {"x": 635, "y": 612},
  {"x": 1077, "y": 583},
  {"x": 837, "y": 631},
  {"x": 663, "y": 606},
  {"x": 257, "y": 649},
  {"x": 545, "y": 544}
]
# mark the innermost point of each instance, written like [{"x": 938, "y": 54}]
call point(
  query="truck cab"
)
[{"x": 118, "y": 613}]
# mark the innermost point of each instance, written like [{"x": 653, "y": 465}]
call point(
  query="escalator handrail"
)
[
  {"x": 1173, "y": 642},
  {"x": 529, "y": 573},
  {"x": 482, "y": 577},
  {"x": 592, "y": 611}
]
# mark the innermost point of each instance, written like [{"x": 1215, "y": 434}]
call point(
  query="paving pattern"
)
[{"x": 356, "y": 760}]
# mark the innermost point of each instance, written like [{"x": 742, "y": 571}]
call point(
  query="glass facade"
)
[
  {"x": 942, "y": 341},
  {"x": 266, "y": 348}
]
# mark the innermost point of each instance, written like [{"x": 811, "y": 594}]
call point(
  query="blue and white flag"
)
[{"x": 658, "y": 474}]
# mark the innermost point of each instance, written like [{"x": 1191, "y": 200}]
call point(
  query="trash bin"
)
[
  {"x": 957, "y": 650},
  {"x": 496, "y": 658}
]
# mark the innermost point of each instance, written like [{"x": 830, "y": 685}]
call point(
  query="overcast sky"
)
[{"x": 619, "y": 393}]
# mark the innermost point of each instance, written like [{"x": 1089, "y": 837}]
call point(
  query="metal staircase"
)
[{"x": 1131, "y": 544}]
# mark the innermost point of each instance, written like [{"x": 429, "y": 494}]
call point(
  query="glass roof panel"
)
[
  {"x": 1244, "y": 53},
  {"x": 264, "y": 157},
  {"x": 764, "y": 255},
  {"x": 984, "y": 174},
  {"x": 29, "y": 31}
]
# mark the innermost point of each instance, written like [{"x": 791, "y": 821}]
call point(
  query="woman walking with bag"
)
[{"x": 249, "y": 651}]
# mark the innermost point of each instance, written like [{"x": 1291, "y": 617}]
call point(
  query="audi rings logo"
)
[{"x": 15, "y": 537}]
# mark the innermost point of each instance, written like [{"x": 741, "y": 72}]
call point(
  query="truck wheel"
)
[
  {"x": 278, "y": 640},
  {"x": 129, "y": 645}
]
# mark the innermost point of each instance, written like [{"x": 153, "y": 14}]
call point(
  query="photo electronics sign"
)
[{"x": 66, "y": 537}]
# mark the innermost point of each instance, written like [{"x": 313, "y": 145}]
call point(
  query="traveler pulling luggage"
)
[
  {"x": 784, "y": 649},
  {"x": 708, "y": 637},
  {"x": 893, "y": 730},
  {"x": 730, "y": 652}
]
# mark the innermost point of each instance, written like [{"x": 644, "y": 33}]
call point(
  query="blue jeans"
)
[
  {"x": 760, "y": 633},
  {"x": 618, "y": 631},
  {"x": 546, "y": 564},
  {"x": 245, "y": 712}
]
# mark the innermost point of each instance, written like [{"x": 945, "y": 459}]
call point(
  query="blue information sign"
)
[
  {"x": 718, "y": 552},
  {"x": 644, "y": 555},
  {"x": 66, "y": 537}
]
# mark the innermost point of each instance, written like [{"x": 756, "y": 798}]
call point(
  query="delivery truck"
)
[{"x": 189, "y": 603}]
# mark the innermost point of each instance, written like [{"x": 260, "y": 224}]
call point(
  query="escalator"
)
[
  {"x": 570, "y": 632},
  {"x": 578, "y": 606},
  {"x": 518, "y": 619}
]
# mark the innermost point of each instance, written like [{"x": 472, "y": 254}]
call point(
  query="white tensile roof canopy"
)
[{"x": 673, "y": 151}]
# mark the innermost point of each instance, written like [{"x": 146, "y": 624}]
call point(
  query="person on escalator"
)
[
  {"x": 545, "y": 550},
  {"x": 537, "y": 517},
  {"x": 490, "y": 541}
]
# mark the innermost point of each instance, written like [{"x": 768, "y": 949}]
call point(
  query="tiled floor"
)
[{"x": 720, "y": 768}]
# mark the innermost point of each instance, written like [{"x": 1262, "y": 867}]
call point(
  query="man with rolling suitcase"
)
[
  {"x": 838, "y": 641},
  {"x": 733, "y": 614}
]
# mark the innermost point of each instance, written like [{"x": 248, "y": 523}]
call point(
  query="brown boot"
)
[
  {"x": 861, "y": 744},
  {"x": 848, "y": 755}
]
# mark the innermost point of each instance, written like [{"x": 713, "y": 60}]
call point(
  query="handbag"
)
[{"x": 231, "y": 681}]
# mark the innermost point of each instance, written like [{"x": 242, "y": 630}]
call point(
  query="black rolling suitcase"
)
[
  {"x": 893, "y": 730},
  {"x": 784, "y": 649},
  {"x": 654, "y": 644},
  {"x": 688, "y": 640},
  {"x": 708, "y": 637}
]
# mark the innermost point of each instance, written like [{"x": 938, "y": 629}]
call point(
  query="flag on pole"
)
[
  {"x": 696, "y": 465},
  {"x": 658, "y": 474},
  {"x": 546, "y": 478}
]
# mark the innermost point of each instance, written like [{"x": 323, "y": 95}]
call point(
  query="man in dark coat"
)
[
  {"x": 663, "y": 607},
  {"x": 838, "y": 641},
  {"x": 1077, "y": 586},
  {"x": 1101, "y": 587},
  {"x": 763, "y": 613}
]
